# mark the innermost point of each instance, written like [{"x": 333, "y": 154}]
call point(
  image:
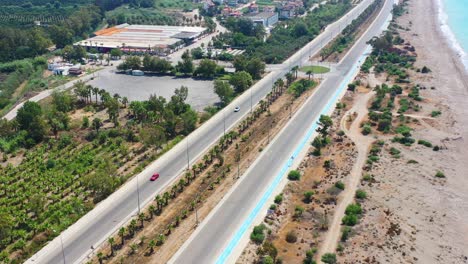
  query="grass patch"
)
[{"x": 315, "y": 69}]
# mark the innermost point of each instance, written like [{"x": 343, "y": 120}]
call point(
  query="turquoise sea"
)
[{"x": 454, "y": 22}]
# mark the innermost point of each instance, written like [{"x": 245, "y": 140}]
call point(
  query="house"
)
[
  {"x": 267, "y": 19},
  {"x": 208, "y": 4},
  {"x": 290, "y": 9},
  {"x": 253, "y": 8}
]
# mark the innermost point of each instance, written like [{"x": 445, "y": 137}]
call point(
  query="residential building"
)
[{"x": 267, "y": 19}]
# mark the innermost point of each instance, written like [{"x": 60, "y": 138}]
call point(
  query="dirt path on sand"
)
[{"x": 362, "y": 145}]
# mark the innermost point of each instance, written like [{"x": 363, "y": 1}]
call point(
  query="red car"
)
[{"x": 154, "y": 177}]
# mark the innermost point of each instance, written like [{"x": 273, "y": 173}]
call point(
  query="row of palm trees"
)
[{"x": 214, "y": 154}]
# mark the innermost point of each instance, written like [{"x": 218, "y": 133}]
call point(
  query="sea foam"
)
[{"x": 449, "y": 34}]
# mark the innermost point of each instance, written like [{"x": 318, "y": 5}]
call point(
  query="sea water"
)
[{"x": 453, "y": 16}]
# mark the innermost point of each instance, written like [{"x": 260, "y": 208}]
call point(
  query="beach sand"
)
[{"x": 411, "y": 216}]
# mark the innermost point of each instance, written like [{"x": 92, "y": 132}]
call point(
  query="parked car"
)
[{"x": 154, "y": 177}]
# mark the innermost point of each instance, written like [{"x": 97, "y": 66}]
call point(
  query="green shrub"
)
[
  {"x": 425, "y": 69},
  {"x": 308, "y": 196},
  {"x": 346, "y": 232},
  {"x": 294, "y": 175},
  {"x": 367, "y": 177},
  {"x": 440, "y": 174},
  {"x": 279, "y": 198},
  {"x": 349, "y": 220},
  {"x": 273, "y": 207},
  {"x": 298, "y": 211},
  {"x": 257, "y": 236},
  {"x": 425, "y": 143},
  {"x": 309, "y": 259},
  {"x": 329, "y": 258},
  {"x": 291, "y": 237},
  {"x": 353, "y": 209},
  {"x": 360, "y": 194},
  {"x": 436, "y": 113},
  {"x": 340, "y": 185},
  {"x": 366, "y": 129}
]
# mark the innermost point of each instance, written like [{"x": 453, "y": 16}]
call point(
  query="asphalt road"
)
[
  {"x": 108, "y": 216},
  {"x": 212, "y": 241}
]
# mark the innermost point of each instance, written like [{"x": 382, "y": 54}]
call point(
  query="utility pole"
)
[
  {"x": 63, "y": 250},
  {"x": 61, "y": 244}
]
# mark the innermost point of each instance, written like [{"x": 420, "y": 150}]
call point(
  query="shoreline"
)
[{"x": 448, "y": 34}]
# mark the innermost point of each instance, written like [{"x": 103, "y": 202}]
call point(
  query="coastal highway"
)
[
  {"x": 87, "y": 234},
  {"x": 223, "y": 234}
]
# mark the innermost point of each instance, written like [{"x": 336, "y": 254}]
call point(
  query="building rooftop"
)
[
  {"x": 141, "y": 36},
  {"x": 262, "y": 15}
]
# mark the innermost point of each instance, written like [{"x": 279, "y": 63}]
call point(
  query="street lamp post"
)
[
  {"x": 61, "y": 244},
  {"x": 63, "y": 250}
]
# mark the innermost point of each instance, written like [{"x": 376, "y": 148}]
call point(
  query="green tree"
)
[
  {"x": 189, "y": 119},
  {"x": 29, "y": 118},
  {"x": 97, "y": 123},
  {"x": 116, "y": 53},
  {"x": 186, "y": 66},
  {"x": 207, "y": 68},
  {"x": 224, "y": 91},
  {"x": 256, "y": 67},
  {"x": 240, "y": 63},
  {"x": 62, "y": 101},
  {"x": 241, "y": 81},
  {"x": 153, "y": 135},
  {"x": 111, "y": 242},
  {"x": 325, "y": 122}
]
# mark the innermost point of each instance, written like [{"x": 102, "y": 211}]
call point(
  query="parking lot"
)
[{"x": 139, "y": 88}]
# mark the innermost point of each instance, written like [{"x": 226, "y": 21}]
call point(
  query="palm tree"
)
[
  {"x": 152, "y": 210},
  {"x": 97, "y": 123},
  {"x": 166, "y": 197},
  {"x": 280, "y": 83},
  {"x": 151, "y": 246},
  {"x": 111, "y": 243},
  {"x": 181, "y": 184},
  {"x": 289, "y": 78},
  {"x": 295, "y": 69},
  {"x": 161, "y": 239},
  {"x": 100, "y": 257},
  {"x": 122, "y": 234},
  {"x": 141, "y": 217},
  {"x": 158, "y": 202},
  {"x": 132, "y": 227},
  {"x": 95, "y": 91},
  {"x": 133, "y": 248},
  {"x": 309, "y": 72},
  {"x": 125, "y": 101}
]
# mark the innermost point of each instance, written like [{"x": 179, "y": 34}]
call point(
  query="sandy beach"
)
[{"x": 412, "y": 216}]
